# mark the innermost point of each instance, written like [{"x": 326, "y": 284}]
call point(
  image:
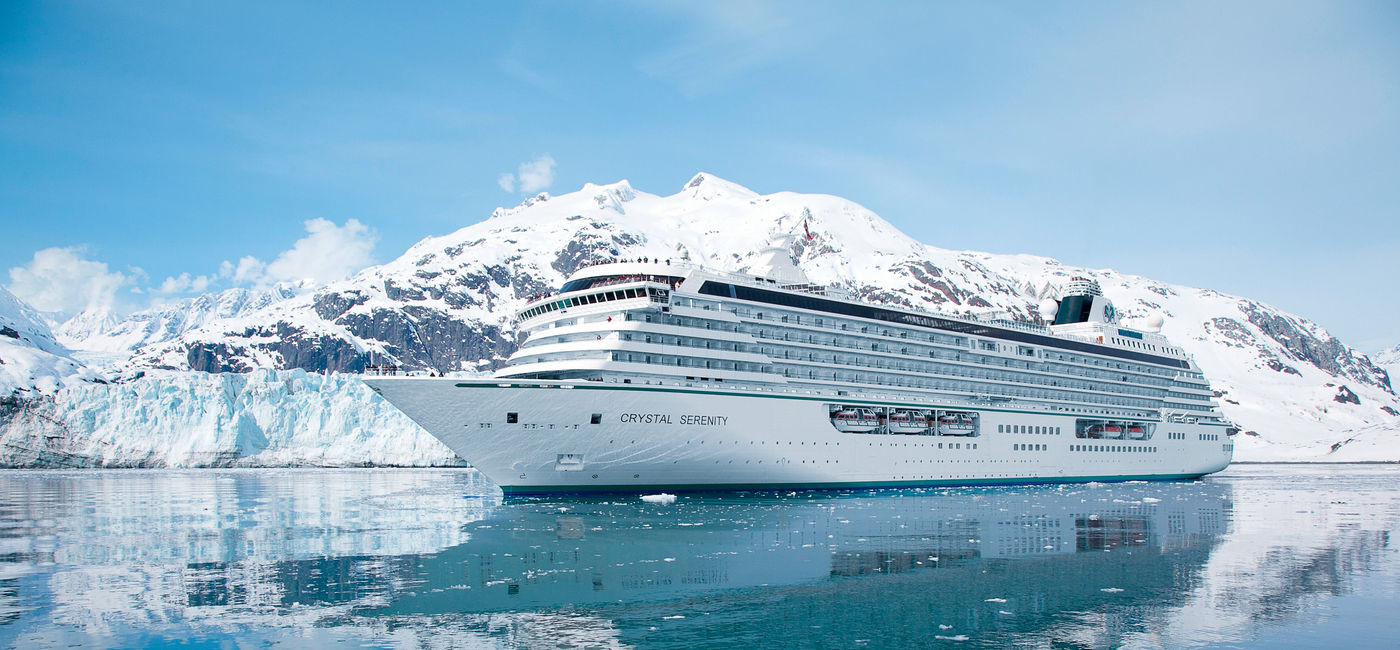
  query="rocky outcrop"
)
[{"x": 1323, "y": 352}]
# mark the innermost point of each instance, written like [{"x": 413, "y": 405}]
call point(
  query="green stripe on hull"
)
[
  {"x": 842, "y": 399},
  {"x": 527, "y": 490}
]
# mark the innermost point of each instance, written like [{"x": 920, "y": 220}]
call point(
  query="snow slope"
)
[
  {"x": 447, "y": 304},
  {"x": 1389, "y": 360},
  {"x": 31, "y": 361},
  {"x": 99, "y": 336}
]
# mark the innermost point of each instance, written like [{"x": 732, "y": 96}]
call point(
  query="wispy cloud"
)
[
  {"x": 185, "y": 283},
  {"x": 526, "y": 74},
  {"x": 532, "y": 176},
  {"x": 327, "y": 253},
  {"x": 727, "y": 39},
  {"x": 64, "y": 281}
]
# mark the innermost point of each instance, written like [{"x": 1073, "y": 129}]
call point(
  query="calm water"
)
[{"x": 1261, "y": 556}]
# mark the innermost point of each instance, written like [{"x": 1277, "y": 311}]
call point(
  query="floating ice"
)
[
  {"x": 996, "y": 600},
  {"x": 1111, "y": 590},
  {"x": 662, "y": 499},
  {"x": 960, "y": 637}
]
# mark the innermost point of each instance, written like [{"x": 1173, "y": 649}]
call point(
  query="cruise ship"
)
[{"x": 643, "y": 375}]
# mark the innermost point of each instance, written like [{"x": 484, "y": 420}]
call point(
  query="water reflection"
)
[{"x": 414, "y": 557}]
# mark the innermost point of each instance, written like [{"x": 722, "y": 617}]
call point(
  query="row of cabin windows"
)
[
  {"x": 810, "y": 355},
  {"x": 1030, "y": 447},
  {"x": 940, "y": 353},
  {"x": 935, "y": 374},
  {"x": 690, "y": 362},
  {"x": 1081, "y": 363},
  {"x": 906, "y": 381},
  {"x": 934, "y": 353},
  {"x": 590, "y": 299},
  {"x": 686, "y": 342},
  {"x": 744, "y": 312},
  {"x": 989, "y": 372},
  {"x": 991, "y": 346},
  {"x": 1140, "y": 345},
  {"x": 1028, "y": 428}
]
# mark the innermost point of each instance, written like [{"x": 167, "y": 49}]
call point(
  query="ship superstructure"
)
[{"x": 642, "y": 374}]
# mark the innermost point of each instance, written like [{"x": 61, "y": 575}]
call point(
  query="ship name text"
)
[{"x": 691, "y": 419}]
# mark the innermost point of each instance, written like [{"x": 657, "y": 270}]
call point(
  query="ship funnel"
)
[{"x": 1084, "y": 302}]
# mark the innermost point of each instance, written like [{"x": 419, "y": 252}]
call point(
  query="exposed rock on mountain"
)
[{"x": 447, "y": 305}]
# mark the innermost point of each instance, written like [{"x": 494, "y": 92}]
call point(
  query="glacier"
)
[
  {"x": 262, "y": 418},
  {"x": 246, "y": 377}
]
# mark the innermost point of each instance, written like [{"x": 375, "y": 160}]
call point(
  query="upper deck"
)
[{"x": 655, "y": 281}]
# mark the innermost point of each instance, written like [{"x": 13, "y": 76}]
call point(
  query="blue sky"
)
[{"x": 1252, "y": 148}]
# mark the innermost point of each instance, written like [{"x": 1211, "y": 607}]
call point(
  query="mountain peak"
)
[
  {"x": 612, "y": 195},
  {"x": 708, "y": 186}
]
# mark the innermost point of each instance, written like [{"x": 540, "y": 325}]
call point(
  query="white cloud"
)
[
  {"x": 62, "y": 281},
  {"x": 327, "y": 253},
  {"x": 184, "y": 282},
  {"x": 537, "y": 174},
  {"x": 532, "y": 176},
  {"x": 506, "y": 181},
  {"x": 249, "y": 270}
]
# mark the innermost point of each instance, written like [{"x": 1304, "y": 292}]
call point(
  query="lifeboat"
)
[
  {"x": 855, "y": 420},
  {"x": 1094, "y": 431},
  {"x": 1136, "y": 432},
  {"x": 1113, "y": 431},
  {"x": 906, "y": 422},
  {"x": 956, "y": 424}
]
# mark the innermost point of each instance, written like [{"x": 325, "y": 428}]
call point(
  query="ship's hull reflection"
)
[{"x": 1060, "y": 547}]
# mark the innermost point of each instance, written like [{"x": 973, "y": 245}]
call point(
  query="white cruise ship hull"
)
[{"x": 581, "y": 436}]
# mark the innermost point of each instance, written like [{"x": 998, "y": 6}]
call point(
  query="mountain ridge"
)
[{"x": 446, "y": 304}]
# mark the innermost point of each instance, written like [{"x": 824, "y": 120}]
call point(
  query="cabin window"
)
[
  {"x": 512, "y": 418},
  {"x": 596, "y": 418}
]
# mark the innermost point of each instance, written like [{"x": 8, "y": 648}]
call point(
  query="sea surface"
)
[{"x": 1266, "y": 556}]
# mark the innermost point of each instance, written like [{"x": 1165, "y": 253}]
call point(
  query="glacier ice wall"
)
[{"x": 260, "y": 418}]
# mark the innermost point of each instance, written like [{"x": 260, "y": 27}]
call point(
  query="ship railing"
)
[
  {"x": 382, "y": 370},
  {"x": 1032, "y": 328}
]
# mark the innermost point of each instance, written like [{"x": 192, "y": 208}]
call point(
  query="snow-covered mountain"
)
[
  {"x": 99, "y": 336},
  {"x": 447, "y": 305},
  {"x": 32, "y": 362},
  {"x": 1389, "y": 360}
]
